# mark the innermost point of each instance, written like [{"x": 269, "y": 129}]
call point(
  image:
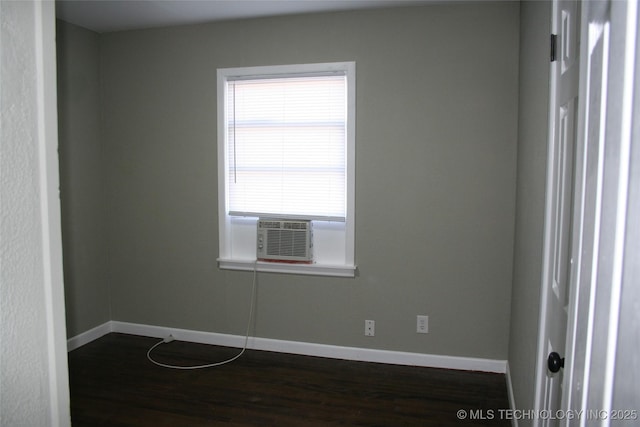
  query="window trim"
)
[
  {"x": 225, "y": 260},
  {"x": 276, "y": 267}
]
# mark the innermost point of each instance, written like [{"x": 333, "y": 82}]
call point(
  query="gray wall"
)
[
  {"x": 437, "y": 108},
  {"x": 81, "y": 179},
  {"x": 535, "y": 19}
]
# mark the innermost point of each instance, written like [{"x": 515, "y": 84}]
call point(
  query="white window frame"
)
[{"x": 237, "y": 243}]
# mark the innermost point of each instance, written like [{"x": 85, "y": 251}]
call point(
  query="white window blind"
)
[{"x": 286, "y": 146}]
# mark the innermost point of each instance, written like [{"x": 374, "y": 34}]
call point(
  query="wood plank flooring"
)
[{"x": 113, "y": 384}]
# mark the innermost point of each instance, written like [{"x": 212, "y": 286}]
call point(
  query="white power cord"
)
[{"x": 224, "y": 362}]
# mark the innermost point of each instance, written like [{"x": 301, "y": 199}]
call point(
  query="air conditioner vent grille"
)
[
  {"x": 296, "y": 225},
  {"x": 270, "y": 224},
  {"x": 285, "y": 241}
]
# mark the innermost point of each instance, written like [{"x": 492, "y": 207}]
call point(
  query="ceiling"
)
[{"x": 104, "y": 16}]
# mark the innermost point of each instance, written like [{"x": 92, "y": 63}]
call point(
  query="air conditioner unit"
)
[{"x": 282, "y": 240}]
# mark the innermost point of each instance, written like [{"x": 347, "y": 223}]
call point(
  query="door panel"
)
[
  {"x": 558, "y": 216},
  {"x": 588, "y": 200}
]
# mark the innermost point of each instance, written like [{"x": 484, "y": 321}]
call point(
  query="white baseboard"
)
[
  {"x": 88, "y": 336},
  {"x": 302, "y": 348},
  {"x": 512, "y": 398}
]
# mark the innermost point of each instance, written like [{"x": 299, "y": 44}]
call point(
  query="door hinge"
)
[{"x": 554, "y": 46}]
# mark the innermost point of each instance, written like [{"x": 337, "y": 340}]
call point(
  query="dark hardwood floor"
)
[{"x": 113, "y": 384}]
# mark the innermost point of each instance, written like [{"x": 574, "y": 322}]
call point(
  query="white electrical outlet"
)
[
  {"x": 369, "y": 328},
  {"x": 423, "y": 325}
]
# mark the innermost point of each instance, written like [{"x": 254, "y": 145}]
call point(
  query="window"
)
[{"x": 286, "y": 147}]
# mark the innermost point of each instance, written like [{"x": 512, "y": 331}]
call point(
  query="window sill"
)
[{"x": 274, "y": 267}]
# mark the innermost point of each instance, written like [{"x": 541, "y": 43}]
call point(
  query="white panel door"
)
[{"x": 558, "y": 211}]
